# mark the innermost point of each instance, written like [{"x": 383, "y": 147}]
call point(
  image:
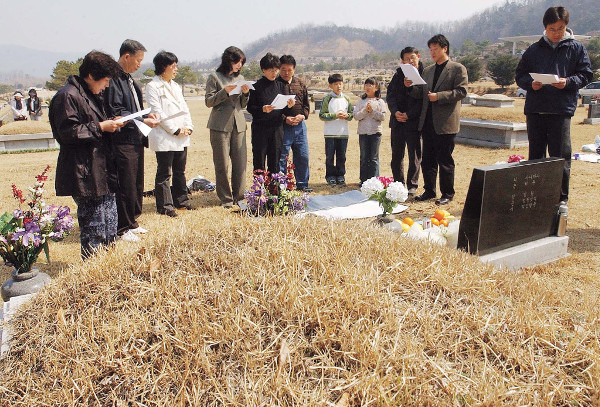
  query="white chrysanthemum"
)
[
  {"x": 370, "y": 187},
  {"x": 396, "y": 192}
]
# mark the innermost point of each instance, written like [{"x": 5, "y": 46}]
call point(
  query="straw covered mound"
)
[{"x": 286, "y": 311}]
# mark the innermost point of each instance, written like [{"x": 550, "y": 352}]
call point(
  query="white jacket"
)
[{"x": 166, "y": 101}]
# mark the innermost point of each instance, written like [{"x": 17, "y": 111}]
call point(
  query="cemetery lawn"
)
[{"x": 212, "y": 308}]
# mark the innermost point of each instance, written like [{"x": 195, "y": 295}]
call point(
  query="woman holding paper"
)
[
  {"x": 171, "y": 138},
  {"x": 227, "y": 125}
]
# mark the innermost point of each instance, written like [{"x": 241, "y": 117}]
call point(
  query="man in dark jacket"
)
[
  {"x": 79, "y": 125},
  {"x": 122, "y": 98},
  {"x": 549, "y": 107},
  {"x": 404, "y": 124}
]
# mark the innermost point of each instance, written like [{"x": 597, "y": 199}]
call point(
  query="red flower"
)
[
  {"x": 18, "y": 194},
  {"x": 386, "y": 181},
  {"x": 43, "y": 177}
]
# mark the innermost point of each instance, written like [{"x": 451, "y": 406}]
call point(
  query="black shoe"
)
[
  {"x": 169, "y": 212},
  {"x": 425, "y": 196},
  {"x": 305, "y": 189},
  {"x": 443, "y": 201},
  {"x": 330, "y": 180},
  {"x": 341, "y": 181}
]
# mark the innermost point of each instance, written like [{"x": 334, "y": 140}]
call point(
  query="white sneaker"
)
[
  {"x": 129, "y": 236},
  {"x": 139, "y": 229}
]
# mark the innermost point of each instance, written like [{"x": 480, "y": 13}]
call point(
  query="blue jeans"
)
[
  {"x": 369, "y": 155},
  {"x": 335, "y": 157},
  {"x": 295, "y": 137}
]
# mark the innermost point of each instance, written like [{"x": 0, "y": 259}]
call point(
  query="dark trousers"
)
[
  {"x": 167, "y": 163},
  {"x": 266, "y": 146},
  {"x": 552, "y": 132},
  {"x": 229, "y": 147},
  {"x": 335, "y": 157},
  {"x": 369, "y": 155},
  {"x": 97, "y": 217},
  {"x": 406, "y": 136},
  {"x": 437, "y": 153},
  {"x": 295, "y": 137},
  {"x": 129, "y": 161}
]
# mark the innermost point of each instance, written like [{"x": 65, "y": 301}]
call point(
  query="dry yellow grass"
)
[{"x": 226, "y": 310}]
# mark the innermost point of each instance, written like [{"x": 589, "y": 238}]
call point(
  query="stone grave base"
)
[
  {"x": 489, "y": 133},
  {"x": 538, "y": 252},
  {"x": 16, "y": 142}
]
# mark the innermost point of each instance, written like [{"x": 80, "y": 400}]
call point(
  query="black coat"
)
[
  {"x": 119, "y": 101},
  {"x": 399, "y": 100},
  {"x": 75, "y": 115}
]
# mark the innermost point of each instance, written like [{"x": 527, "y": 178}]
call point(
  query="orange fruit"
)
[
  {"x": 435, "y": 221},
  {"x": 439, "y": 214},
  {"x": 408, "y": 221},
  {"x": 444, "y": 222}
]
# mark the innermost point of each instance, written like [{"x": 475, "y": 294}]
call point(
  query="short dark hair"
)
[
  {"x": 440, "y": 40},
  {"x": 269, "y": 61},
  {"x": 32, "y": 90},
  {"x": 131, "y": 47},
  {"x": 231, "y": 55},
  {"x": 287, "y": 60},
  {"x": 373, "y": 81},
  {"x": 99, "y": 65},
  {"x": 408, "y": 50},
  {"x": 335, "y": 77},
  {"x": 162, "y": 60},
  {"x": 555, "y": 14}
]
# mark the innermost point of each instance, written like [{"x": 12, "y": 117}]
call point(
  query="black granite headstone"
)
[{"x": 510, "y": 204}]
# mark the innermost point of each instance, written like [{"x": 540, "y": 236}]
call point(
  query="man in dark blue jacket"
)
[
  {"x": 405, "y": 112},
  {"x": 122, "y": 98},
  {"x": 549, "y": 107}
]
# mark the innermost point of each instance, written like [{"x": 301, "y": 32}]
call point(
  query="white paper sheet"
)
[
  {"x": 280, "y": 101},
  {"x": 143, "y": 127},
  {"x": 238, "y": 86},
  {"x": 133, "y": 116},
  {"x": 412, "y": 74},
  {"x": 545, "y": 78},
  {"x": 173, "y": 116}
]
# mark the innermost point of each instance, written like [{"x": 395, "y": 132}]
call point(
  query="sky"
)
[{"x": 199, "y": 29}]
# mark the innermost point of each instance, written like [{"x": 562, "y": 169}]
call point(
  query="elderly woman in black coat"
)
[{"x": 79, "y": 124}]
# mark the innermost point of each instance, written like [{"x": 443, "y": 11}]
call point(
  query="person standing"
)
[
  {"x": 549, "y": 108},
  {"x": 80, "y": 126},
  {"x": 370, "y": 112},
  {"x": 267, "y": 122},
  {"x": 227, "y": 126},
  {"x": 122, "y": 98},
  {"x": 336, "y": 112},
  {"x": 34, "y": 106},
  {"x": 440, "y": 118},
  {"x": 405, "y": 112},
  {"x": 171, "y": 138},
  {"x": 18, "y": 107},
  {"x": 294, "y": 126}
]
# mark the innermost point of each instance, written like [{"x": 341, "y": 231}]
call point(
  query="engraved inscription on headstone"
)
[{"x": 510, "y": 204}]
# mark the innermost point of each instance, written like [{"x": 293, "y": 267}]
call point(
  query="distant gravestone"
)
[
  {"x": 510, "y": 204},
  {"x": 593, "y": 114}
]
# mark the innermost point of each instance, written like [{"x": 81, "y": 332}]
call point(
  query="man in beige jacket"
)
[{"x": 440, "y": 118}]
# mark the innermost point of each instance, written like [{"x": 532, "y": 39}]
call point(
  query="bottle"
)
[{"x": 561, "y": 229}]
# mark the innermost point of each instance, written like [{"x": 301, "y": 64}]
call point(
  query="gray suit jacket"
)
[
  {"x": 451, "y": 88},
  {"x": 226, "y": 114}
]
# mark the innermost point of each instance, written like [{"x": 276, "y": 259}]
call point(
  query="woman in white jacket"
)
[{"x": 171, "y": 138}]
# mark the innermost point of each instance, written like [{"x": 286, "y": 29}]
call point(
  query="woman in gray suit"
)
[{"x": 228, "y": 126}]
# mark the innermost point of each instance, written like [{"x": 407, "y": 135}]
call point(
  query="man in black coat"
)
[
  {"x": 80, "y": 127},
  {"x": 122, "y": 98},
  {"x": 405, "y": 112}
]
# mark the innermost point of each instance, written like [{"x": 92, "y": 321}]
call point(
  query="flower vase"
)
[
  {"x": 24, "y": 283},
  {"x": 385, "y": 219}
]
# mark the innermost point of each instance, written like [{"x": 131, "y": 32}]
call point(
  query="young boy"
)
[
  {"x": 336, "y": 111},
  {"x": 267, "y": 122}
]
